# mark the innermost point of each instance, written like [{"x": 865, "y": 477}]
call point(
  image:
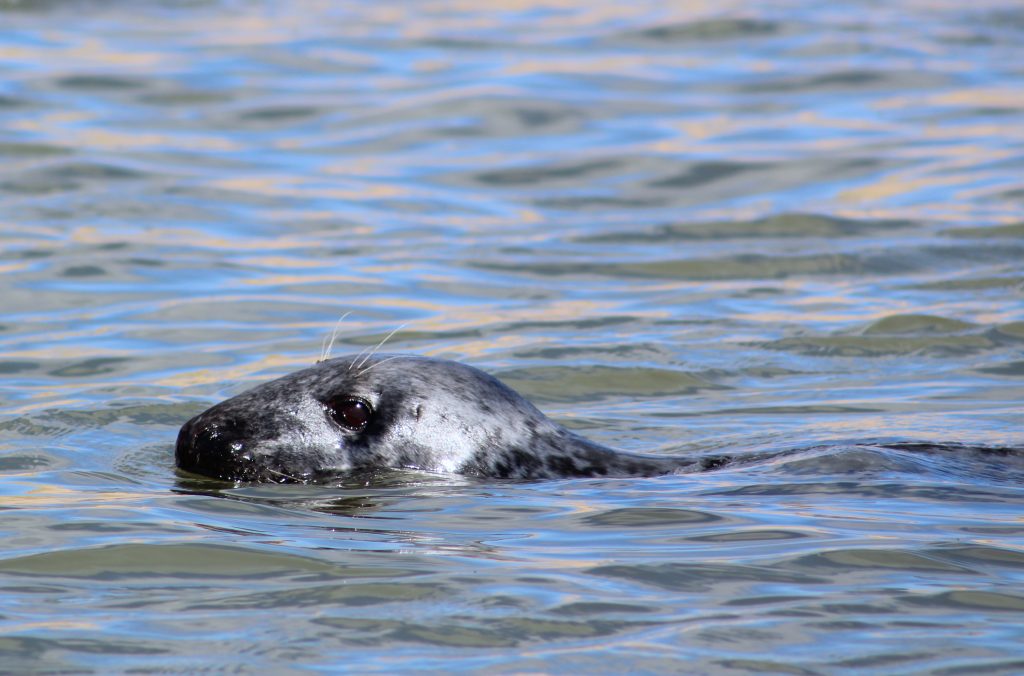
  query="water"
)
[{"x": 785, "y": 231}]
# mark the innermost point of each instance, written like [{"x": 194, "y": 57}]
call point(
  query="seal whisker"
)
[
  {"x": 270, "y": 470},
  {"x": 378, "y": 364},
  {"x": 377, "y": 347},
  {"x": 326, "y": 347},
  {"x": 352, "y": 364}
]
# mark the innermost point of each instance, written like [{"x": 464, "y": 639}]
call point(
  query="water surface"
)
[{"x": 791, "y": 232}]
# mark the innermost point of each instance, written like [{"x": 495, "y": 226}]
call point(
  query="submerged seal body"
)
[{"x": 353, "y": 414}]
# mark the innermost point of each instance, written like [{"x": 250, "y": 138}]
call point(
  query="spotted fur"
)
[{"x": 429, "y": 414}]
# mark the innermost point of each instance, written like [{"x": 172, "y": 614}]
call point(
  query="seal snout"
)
[{"x": 213, "y": 447}]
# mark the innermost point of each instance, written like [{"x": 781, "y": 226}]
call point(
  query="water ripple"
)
[{"x": 784, "y": 239}]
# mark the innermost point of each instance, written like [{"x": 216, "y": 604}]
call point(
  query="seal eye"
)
[{"x": 349, "y": 412}]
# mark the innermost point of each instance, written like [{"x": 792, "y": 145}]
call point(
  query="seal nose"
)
[{"x": 209, "y": 446}]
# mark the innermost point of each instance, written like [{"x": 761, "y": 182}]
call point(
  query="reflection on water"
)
[{"x": 785, "y": 233}]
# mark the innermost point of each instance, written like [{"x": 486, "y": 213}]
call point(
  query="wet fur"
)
[{"x": 429, "y": 414}]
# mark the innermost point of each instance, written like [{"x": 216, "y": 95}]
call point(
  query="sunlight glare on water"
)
[{"x": 789, "y": 232}]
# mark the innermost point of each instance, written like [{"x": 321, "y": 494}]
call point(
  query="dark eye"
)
[{"x": 349, "y": 412}]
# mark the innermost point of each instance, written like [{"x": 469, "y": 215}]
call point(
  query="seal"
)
[{"x": 355, "y": 414}]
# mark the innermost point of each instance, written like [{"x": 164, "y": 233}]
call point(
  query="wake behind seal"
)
[{"x": 354, "y": 414}]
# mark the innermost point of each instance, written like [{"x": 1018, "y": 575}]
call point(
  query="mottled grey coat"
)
[{"x": 427, "y": 414}]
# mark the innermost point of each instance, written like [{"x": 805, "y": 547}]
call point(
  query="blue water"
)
[{"x": 790, "y": 232}]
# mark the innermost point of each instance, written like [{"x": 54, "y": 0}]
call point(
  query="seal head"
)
[{"x": 391, "y": 411}]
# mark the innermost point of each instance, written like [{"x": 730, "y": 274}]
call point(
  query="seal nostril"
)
[
  {"x": 224, "y": 435},
  {"x": 215, "y": 446}
]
